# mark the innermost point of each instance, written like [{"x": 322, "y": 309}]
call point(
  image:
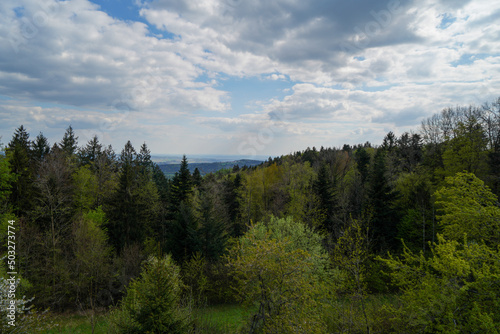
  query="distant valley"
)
[{"x": 169, "y": 169}]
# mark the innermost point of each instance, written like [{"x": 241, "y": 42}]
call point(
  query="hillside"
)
[{"x": 207, "y": 167}]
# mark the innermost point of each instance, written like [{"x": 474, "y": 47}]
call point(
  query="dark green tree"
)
[
  {"x": 19, "y": 154},
  {"x": 41, "y": 148},
  {"x": 134, "y": 205},
  {"x": 324, "y": 189},
  {"x": 183, "y": 238},
  {"x": 182, "y": 185},
  {"x": 69, "y": 143},
  {"x": 197, "y": 177},
  {"x": 363, "y": 162},
  {"x": 381, "y": 199},
  {"x": 90, "y": 152}
]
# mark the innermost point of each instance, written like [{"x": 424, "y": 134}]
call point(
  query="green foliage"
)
[
  {"x": 466, "y": 151},
  {"x": 468, "y": 207},
  {"x": 350, "y": 255},
  {"x": 86, "y": 188},
  {"x": 416, "y": 226},
  {"x": 92, "y": 256},
  {"x": 382, "y": 204},
  {"x": 153, "y": 301},
  {"x": 195, "y": 278},
  {"x": 280, "y": 268},
  {"x": 69, "y": 143},
  {"x": 450, "y": 291}
]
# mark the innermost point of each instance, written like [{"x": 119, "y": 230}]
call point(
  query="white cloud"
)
[{"x": 354, "y": 69}]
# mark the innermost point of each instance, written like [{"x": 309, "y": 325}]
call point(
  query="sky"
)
[{"x": 241, "y": 77}]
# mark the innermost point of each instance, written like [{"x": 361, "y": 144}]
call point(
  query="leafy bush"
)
[
  {"x": 280, "y": 268},
  {"x": 456, "y": 290},
  {"x": 153, "y": 301}
]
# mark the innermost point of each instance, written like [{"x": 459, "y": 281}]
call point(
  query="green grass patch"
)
[
  {"x": 76, "y": 323},
  {"x": 222, "y": 318}
]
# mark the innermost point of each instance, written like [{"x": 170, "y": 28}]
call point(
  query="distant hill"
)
[{"x": 207, "y": 167}]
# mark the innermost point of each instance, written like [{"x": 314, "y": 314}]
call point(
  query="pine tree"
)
[
  {"x": 124, "y": 228},
  {"x": 19, "y": 154},
  {"x": 69, "y": 143},
  {"x": 181, "y": 186},
  {"x": 41, "y": 147},
  {"x": 133, "y": 208},
  {"x": 323, "y": 187},
  {"x": 90, "y": 153},
  {"x": 363, "y": 161},
  {"x": 197, "y": 177},
  {"x": 381, "y": 196}
]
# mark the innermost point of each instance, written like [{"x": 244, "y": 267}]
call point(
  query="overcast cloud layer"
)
[{"x": 241, "y": 77}]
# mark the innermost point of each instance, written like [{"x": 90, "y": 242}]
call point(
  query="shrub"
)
[
  {"x": 153, "y": 301},
  {"x": 280, "y": 268}
]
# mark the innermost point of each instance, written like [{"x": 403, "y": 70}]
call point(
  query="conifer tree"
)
[
  {"x": 323, "y": 187},
  {"x": 90, "y": 153},
  {"x": 41, "y": 147},
  {"x": 19, "y": 155},
  {"x": 181, "y": 186},
  {"x": 384, "y": 216},
  {"x": 197, "y": 177},
  {"x": 69, "y": 143}
]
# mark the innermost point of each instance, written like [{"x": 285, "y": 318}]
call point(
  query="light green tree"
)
[
  {"x": 466, "y": 150},
  {"x": 153, "y": 301},
  {"x": 281, "y": 269},
  {"x": 351, "y": 255},
  {"x": 466, "y": 206},
  {"x": 456, "y": 290}
]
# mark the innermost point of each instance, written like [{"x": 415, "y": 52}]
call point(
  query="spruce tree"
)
[
  {"x": 197, "y": 177},
  {"x": 381, "y": 197},
  {"x": 69, "y": 143},
  {"x": 90, "y": 153},
  {"x": 41, "y": 147},
  {"x": 182, "y": 185},
  {"x": 19, "y": 154},
  {"x": 323, "y": 187}
]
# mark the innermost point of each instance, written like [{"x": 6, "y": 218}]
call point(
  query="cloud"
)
[{"x": 352, "y": 70}]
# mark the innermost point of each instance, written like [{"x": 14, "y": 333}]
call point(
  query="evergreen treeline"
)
[{"x": 87, "y": 217}]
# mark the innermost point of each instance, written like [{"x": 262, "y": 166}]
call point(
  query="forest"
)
[{"x": 397, "y": 237}]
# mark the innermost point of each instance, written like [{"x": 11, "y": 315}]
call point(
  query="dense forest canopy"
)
[{"x": 421, "y": 207}]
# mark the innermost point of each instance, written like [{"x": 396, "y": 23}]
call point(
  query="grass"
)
[
  {"x": 212, "y": 319},
  {"x": 341, "y": 316},
  {"x": 222, "y": 318},
  {"x": 76, "y": 323}
]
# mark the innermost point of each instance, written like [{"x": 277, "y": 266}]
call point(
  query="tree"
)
[
  {"x": 6, "y": 180},
  {"x": 350, "y": 255},
  {"x": 363, "y": 161},
  {"x": 54, "y": 211},
  {"x": 197, "y": 177},
  {"x": 326, "y": 193},
  {"x": 280, "y": 268},
  {"x": 133, "y": 207},
  {"x": 416, "y": 226},
  {"x": 92, "y": 263},
  {"x": 153, "y": 301},
  {"x": 19, "y": 156},
  {"x": 384, "y": 215},
  {"x": 456, "y": 290},
  {"x": 41, "y": 148},
  {"x": 69, "y": 143},
  {"x": 184, "y": 239},
  {"x": 212, "y": 220},
  {"x": 466, "y": 151},
  {"x": 91, "y": 152},
  {"x": 467, "y": 207},
  {"x": 182, "y": 185}
]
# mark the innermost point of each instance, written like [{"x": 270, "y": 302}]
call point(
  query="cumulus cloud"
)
[{"x": 354, "y": 69}]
